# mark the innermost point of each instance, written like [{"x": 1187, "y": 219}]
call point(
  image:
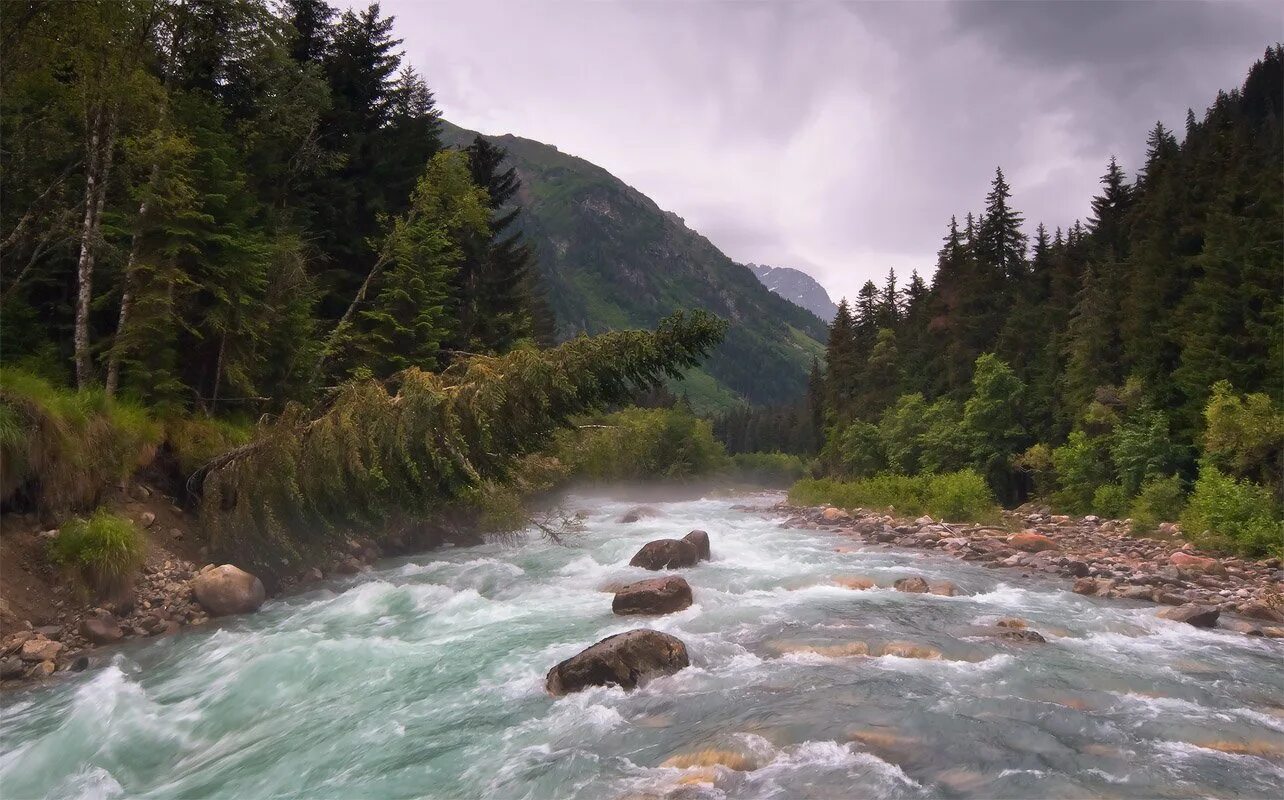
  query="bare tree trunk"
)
[
  {"x": 346, "y": 319},
  {"x": 102, "y": 140},
  {"x": 126, "y": 299}
]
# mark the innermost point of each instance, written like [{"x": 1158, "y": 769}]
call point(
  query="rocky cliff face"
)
[{"x": 798, "y": 288}]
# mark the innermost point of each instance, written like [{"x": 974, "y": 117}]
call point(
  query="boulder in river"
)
[
  {"x": 666, "y": 554},
  {"x": 1022, "y": 635},
  {"x": 228, "y": 590},
  {"x": 910, "y": 650},
  {"x": 654, "y": 596},
  {"x": 626, "y": 660},
  {"x": 914, "y": 584},
  {"x": 635, "y": 514},
  {"x": 944, "y": 588},
  {"x": 1031, "y": 542},
  {"x": 701, "y": 541},
  {"x": 1192, "y": 614}
]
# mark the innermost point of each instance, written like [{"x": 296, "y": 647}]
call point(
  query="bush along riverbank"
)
[{"x": 1101, "y": 557}]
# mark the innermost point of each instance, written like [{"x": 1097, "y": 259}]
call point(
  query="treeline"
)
[
  {"x": 229, "y": 204},
  {"x": 1144, "y": 345}
]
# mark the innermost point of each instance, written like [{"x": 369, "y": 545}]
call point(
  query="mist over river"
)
[{"x": 425, "y": 678}]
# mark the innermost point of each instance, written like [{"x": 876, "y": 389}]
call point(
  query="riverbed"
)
[{"x": 425, "y": 678}]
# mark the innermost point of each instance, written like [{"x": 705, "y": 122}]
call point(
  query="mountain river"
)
[{"x": 425, "y": 678}]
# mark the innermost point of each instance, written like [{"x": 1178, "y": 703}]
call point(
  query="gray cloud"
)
[{"x": 836, "y": 138}]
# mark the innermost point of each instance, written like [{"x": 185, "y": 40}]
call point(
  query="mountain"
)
[
  {"x": 798, "y": 288},
  {"x": 614, "y": 259}
]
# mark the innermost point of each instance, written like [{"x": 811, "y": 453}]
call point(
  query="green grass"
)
[
  {"x": 955, "y": 496},
  {"x": 60, "y": 447},
  {"x": 105, "y": 550}
]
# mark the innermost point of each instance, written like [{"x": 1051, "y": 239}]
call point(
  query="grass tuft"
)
[{"x": 106, "y": 550}]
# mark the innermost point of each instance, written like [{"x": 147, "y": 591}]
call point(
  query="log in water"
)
[{"x": 425, "y": 678}]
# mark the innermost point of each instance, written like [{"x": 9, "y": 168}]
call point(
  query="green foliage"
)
[
  {"x": 642, "y": 443},
  {"x": 195, "y": 441},
  {"x": 902, "y": 430},
  {"x": 379, "y": 453},
  {"x": 1036, "y": 462},
  {"x": 859, "y": 450},
  {"x": 1232, "y": 514},
  {"x": 1244, "y": 435},
  {"x": 61, "y": 448},
  {"x": 1081, "y": 467},
  {"x": 1110, "y": 500},
  {"x": 956, "y": 496},
  {"x": 106, "y": 550},
  {"x": 767, "y": 469},
  {"x": 1160, "y": 500},
  {"x": 1140, "y": 449}
]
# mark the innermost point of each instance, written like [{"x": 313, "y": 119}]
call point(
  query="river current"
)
[{"x": 424, "y": 678}]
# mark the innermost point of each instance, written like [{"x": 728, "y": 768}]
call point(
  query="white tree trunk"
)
[{"x": 102, "y": 140}]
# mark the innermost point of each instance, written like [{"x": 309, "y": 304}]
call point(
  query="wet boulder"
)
[
  {"x": 228, "y": 590},
  {"x": 1192, "y": 614},
  {"x": 944, "y": 588},
  {"x": 636, "y": 514},
  {"x": 1022, "y": 635},
  {"x": 654, "y": 596},
  {"x": 666, "y": 554},
  {"x": 101, "y": 628},
  {"x": 627, "y": 660},
  {"x": 701, "y": 541},
  {"x": 915, "y": 584}
]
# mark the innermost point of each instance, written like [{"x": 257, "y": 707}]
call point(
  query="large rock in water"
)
[
  {"x": 228, "y": 590},
  {"x": 666, "y": 554},
  {"x": 1192, "y": 614},
  {"x": 626, "y": 660},
  {"x": 655, "y": 596},
  {"x": 914, "y": 584},
  {"x": 701, "y": 541}
]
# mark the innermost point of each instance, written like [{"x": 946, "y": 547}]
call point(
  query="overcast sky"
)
[{"x": 836, "y": 138}]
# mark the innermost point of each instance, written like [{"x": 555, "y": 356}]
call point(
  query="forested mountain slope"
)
[{"x": 611, "y": 258}]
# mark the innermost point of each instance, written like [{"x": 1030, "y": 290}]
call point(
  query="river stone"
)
[
  {"x": 635, "y": 514},
  {"x": 1192, "y": 614},
  {"x": 654, "y": 596},
  {"x": 228, "y": 590},
  {"x": 101, "y": 628},
  {"x": 1031, "y": 542},
  {"x": 914, "y": 584},
  {"x": 40, "y": 649},
  {"x": 1022, "y": 635},
  {"x": 701, "y": 541},
  {"x": 626, "y": 660},
  {"x": 666, "y": 554},
  {"x": 1196, "y": 563},
  {"x": 11, "y": 667},
  {"x": 944, "y": 588}
]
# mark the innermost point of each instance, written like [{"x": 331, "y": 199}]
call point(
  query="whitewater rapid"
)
[{"x": 424, "y": 678}]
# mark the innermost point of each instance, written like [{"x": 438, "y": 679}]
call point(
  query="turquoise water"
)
[{"x": 424, "y": 678}]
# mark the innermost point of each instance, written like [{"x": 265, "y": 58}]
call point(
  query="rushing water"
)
[{"x": 425, "y": 678}]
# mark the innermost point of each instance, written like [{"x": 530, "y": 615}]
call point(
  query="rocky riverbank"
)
[{"x": 1102, "y": 558}]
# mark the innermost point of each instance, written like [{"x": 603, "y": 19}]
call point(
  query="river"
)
[{"x": 424, "y": 678}]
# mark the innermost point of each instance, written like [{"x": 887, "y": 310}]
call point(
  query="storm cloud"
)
[{"x": 837, "y": 138}]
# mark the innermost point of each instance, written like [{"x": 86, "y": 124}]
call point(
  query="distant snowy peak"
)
[{"x": 798, "y": 288}]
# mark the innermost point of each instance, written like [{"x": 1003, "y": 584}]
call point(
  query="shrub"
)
[
  {"x": 959, "y": 496},
  {"x": 1233, "y": 515},
  {"x": 1141, "y": 448},
  {"x": 104, "y": 550},
  {"x": 901, "y": 431},
  {"x": 963, "y": 496},
  {"x": 639, "y": 443},
  {"x": 860, "y": 450},
  {"x": 1244, "y": 435},
  {"x": 1160, "y": 500},
  {"x": 1036, "y": 462},
  {"x": 1080, "y": 466},
  {"x": 1110, "y": 500},
  {"x": 768, "y": 469}
]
